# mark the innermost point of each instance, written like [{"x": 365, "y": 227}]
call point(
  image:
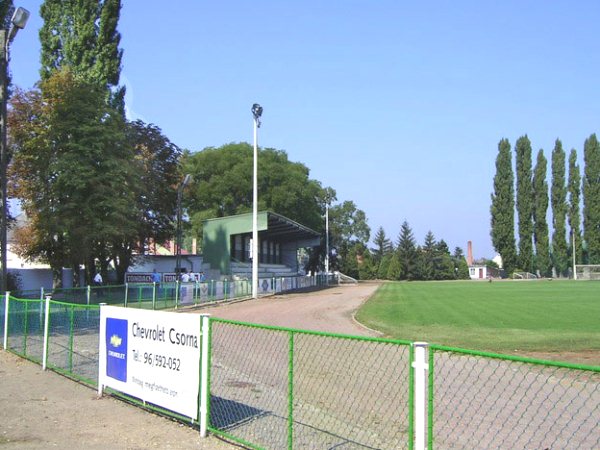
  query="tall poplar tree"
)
[
  {"x": 574, "y": 187},
  {"x": 540, "y": 209},
  {"x": 524, "y": 202},
  {"x": 591, "y": 199},
  {"x": 503, "y": 208},
  {"x": 6, "y": 7},
  {"x": 560, "y": 255},
  {"x": 82, "y": 34}
]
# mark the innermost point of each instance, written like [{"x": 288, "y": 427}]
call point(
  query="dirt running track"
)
[
  {"x": 329, "y": 310},
  {"x": 41, "y": 410}
]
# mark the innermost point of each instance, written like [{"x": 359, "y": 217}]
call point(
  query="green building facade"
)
[{"x": 228, "y": 239}]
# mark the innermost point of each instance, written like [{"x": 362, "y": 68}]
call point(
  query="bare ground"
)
[{"x": 40, "y": 410}]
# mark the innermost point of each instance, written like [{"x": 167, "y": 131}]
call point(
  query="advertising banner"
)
[
  {"x": 138, "y": 277},
  {"x": 151, "y": 355},
  {"x": 186, "y": 296},
  {"x": 204, "y": 292}
]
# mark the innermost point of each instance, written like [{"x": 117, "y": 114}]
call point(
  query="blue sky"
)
[{"x": 398, "y": 106}]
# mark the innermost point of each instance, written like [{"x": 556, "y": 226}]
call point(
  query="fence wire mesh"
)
[
  {"x": 350, "y": 393},
  {"x": 249, "y": 384},
  {"x": 279, "y": 388},
  {"x": 493, "y": 403},
  {"x": 25, "y": 332},
  {"x": 73, "y": 334}
]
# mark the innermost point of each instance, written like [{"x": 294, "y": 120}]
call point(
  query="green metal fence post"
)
[
  {"x": 71, "y": 333},
  {"x": 176, "y": 293},
  {"x": 290, "y": 439},
  {"x": 25, "y": 328},
  {"x": 89, "y": 294},
  {"x": 126, "y": 294},
  {"x": 6, "y": 303}
]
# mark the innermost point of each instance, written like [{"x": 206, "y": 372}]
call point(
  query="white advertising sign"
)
[{"x": 151, "y": 355}]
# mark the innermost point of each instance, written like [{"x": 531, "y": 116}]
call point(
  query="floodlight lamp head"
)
[
  {"x": 257, "y": 111},
  {"x": 19, "y": 18}
]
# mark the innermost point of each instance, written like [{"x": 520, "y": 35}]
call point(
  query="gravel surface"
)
[{"x": 40, "y": 410}]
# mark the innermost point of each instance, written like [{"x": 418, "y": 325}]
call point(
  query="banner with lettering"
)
[{"x": 151, "y": 355}]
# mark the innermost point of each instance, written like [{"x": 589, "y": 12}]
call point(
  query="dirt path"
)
[
  {"x": 327, "y": 310},
  {"x": 40, "y": 410}
]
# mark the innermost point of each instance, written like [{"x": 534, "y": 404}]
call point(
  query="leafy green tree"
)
[
  {"x": 395, "y": 268},
  {"x": 6, "y": 10},
  {"x": 461, "y": 268},
  {"x": 348, "y": 227},
  {"x": 559, "y": 210},
  {"x": 82, "y": 34},
  {"x": 224, "y": 186},
  {"x": 72, "y": 172},
  {"x": 540, "y": 209},
  {"x": 157, "y": 159},
  {"x": 384, "y": 266},
  {"x": 367, "y": 270},
  {"x": 591, "y": 199},
  {"x": 406, "y": 249},
  {"x": 502, "y": 209},
  {"x": 574, "y": 188},
  {"x": 524, "y": 197},
  {"x": 156, "y": 163}
]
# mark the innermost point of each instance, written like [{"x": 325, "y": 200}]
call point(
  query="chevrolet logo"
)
[{"x": 115, "y": 340}]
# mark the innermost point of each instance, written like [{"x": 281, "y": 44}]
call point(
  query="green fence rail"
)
[
  {"x": 274, "y": 387},
  {"x": 174, "y": 294},
  {"x": 485, "y": 400},
  {"x": 284, "y": 388}
]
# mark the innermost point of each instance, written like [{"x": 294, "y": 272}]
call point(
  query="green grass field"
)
[{"x": 545, "y": 316}]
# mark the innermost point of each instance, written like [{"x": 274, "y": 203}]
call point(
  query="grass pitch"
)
[{"x": 499, "y": 316}]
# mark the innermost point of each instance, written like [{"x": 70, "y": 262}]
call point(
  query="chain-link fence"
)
[
  {"x": 24, "y": 334},
  {"x": 482, "y": 400},
  {"x": 173, "y": 294},
  {"x": 282, "y": 388},
  {"x": 72, "y": 344}
]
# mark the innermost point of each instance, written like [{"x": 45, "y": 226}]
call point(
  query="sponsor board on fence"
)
[
  {"x": 138, "y": 277},
  {"x": 187, "y": 293},
  {"x": 151, "y": 355}
]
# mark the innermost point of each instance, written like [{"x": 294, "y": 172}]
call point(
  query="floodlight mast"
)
[
  {"x": 184, "y": 183},
  {"x": 18, "y": 22},
  {"x": 256, "y": 112}
]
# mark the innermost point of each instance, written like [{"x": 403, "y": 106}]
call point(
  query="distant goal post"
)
[{"x": 587, "y": 272}]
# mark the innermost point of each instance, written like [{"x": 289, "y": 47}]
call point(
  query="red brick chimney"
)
[{"x": 470, "y": 253}]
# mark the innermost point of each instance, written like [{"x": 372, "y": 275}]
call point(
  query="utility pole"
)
[{"x": 3, "y": 156}]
